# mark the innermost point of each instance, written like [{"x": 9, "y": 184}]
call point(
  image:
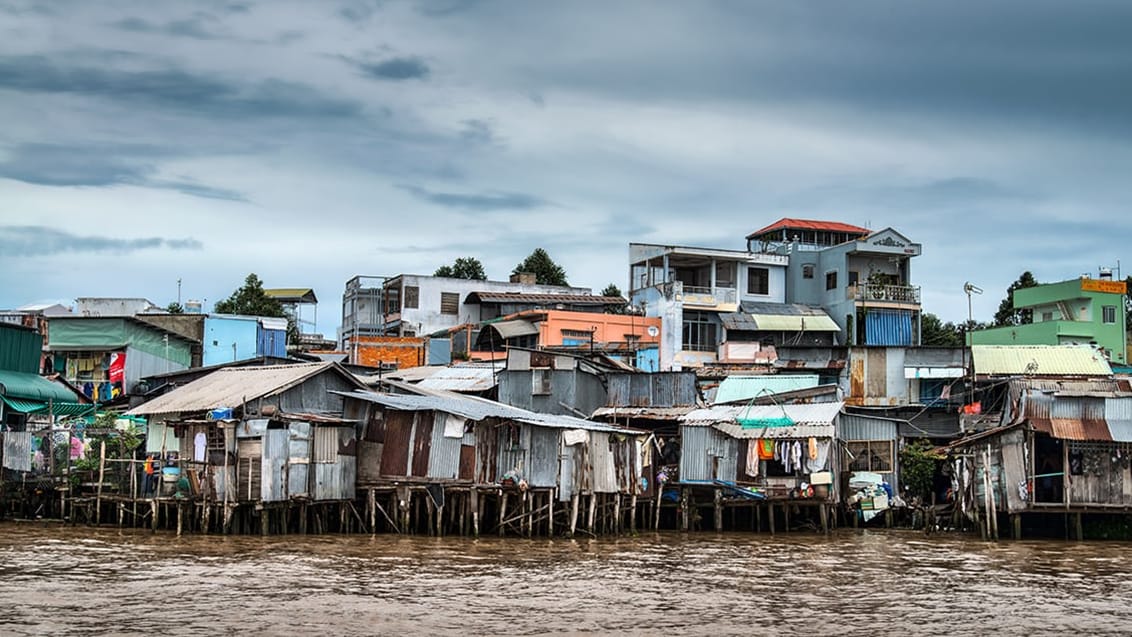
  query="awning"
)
[
  {"x": 512, "y": 329},
  {"x": 762, "y": 322},
  {"x": 58, "y": 408},
  {"x": 33, "y": 387}
]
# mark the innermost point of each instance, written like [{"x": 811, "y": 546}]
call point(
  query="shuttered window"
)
[
  {"x": 412, "y": 297},
  {"x": 449, "y": 303}
]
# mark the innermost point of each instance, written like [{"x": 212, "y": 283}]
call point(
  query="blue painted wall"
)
[
  {"x": 271, "y": 342},
  {"x": 220, "y": 332}
]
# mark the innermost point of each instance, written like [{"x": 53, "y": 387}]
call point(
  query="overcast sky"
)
[{"x": 145, "y": 142}]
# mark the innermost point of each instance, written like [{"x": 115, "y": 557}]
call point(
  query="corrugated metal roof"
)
[
  {"x": 292, "y": 295},
  {"x": 934, "y": 357},
  {"x": 649, "y": 413},
  {"x": 788, "y": 223},
  {"x": 33, "y": 387},
  {"x": 1073, "y": 429},
  {"x": 814, "y": 420},
  {"x": 233, "y": 386},
  {"x": 811, "y": 358},
  {"x": 1118, "y": 415},
  {"x": 511, "y": 329},
  {"x": 539, "y": 299},
  {"x": 479, "y": 409},
  {"x": 735, "y": 388},
  {"x": 778, "y": 317},
  {"x": 1039, "y": 360},
  {"x": 462, "y": 379}
]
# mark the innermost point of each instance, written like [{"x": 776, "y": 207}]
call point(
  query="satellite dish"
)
[{"x": 653, "y": 331}]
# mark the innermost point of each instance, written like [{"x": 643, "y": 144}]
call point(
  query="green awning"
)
[
  {"x": 61, "y": 408},
  {"x": 33, "y": 387}
]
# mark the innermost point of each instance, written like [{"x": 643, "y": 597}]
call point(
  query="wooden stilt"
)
[
  {"x": 1079, "y": 527},
  {"x": 1016, "y": 524},
  {"x": 656, "y": 511},
  {"x": 502, "y": 511},
  {"x": 573, "y": 513},
  {"x": 617, "y": 513},
  {"x": 757, "y": 517},
  {"x": 474, "y": 505},
  {"x": 551, "y": 496},
  {"x": 685, "y": 513},
  {"x": 770, "y": 517},
  {"x": 824, "y": 511},
  {"x": 786, "y": 515},
  {"x": 633, "y": 514},
  {"x": 592, "y": 512},
  {"x": 718, "y": 502}
]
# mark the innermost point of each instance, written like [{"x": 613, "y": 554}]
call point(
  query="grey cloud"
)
[
  {"x": 478, "y": 131},
  {"x": 482, "y": 202},
  {"x": 26, "y": 241},
  {"x": 444, "y": 8},
  {"x": 99, "y": 165},
  {"x": 399, "y": 68},
  {"x": 173, "y": 88},
  {"x": 188, "y": 27}
]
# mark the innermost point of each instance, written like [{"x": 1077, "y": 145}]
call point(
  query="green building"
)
[{"x": 1081, "y": 311}]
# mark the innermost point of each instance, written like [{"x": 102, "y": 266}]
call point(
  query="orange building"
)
[
  {"x": 373, "y": 351},
  {"x": 565, "y": 329}
]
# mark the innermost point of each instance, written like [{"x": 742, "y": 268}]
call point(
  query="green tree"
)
[
  {"x": 1006, "y": 314},
  {"x": 936, "y": 333},
  {"x": 251, "y": 300},
  {"x": 917, "y": 467},
  {"x": 546, "y": 271},
  {"x": 1128, "y": 304},
  {"x": 613, "y": 290},
  {"x": 175, "y": 308},
  {"x": 463, "y": 268}
]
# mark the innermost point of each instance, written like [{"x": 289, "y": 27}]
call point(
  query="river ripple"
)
[{"x": 56, "y": 579}]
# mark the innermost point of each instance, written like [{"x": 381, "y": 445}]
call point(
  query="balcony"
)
[
  {"x": 874, "y": 293},
  {"x": 707, "y": 297}
]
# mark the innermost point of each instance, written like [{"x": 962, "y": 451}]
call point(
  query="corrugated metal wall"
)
[
  {"x": 487, "y": 454},
  {"x": 514, "y": 441},
  {"x": 298, "y": 460},
  {"x": 273, "y": 487},
  {"x": 855, "y": 427},
  {"x": 17, "y": 450},
  {"x": 444, "y": 457},
  {"x": 543, "y": 457},
  {"x": 707, "y": 454},
  {"x": 398, "y": 436},
  {"x": 661, "y": 389},
  {"x": 604, "y": 466},
  {"x": 888, "y": 327}
]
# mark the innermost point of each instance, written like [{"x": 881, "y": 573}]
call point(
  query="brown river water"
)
[{"x": 56, "y": 579}]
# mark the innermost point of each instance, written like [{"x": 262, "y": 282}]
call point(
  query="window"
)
[
  {"x": 1047, "y": 316},
  {"x": 449, "y": 303},
  {"x": 854, "y": 277},
  {"x": 808, "y": 271},
  {"x": 540, "y": 382},
  {"x": 1109, "y": 312},
  {"x": 412, "y": 297},
  {"x": 871, "y": 455},
  {"x": 758, "y": 281},
  {"x": 392, "y": 300},
  {"x": 700, "y": 333},
  {"x": 725, "y": 275},
  {"x": 831, "y": 280}
]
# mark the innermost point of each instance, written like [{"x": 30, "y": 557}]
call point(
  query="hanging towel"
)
[
  {"x": 572, "y": 437},
  {"x": 819, "y": 463},
  {"x": 453, "y": 426},
  {"x": 813, "y": 448},
  {"x": 754, "y": 452},
  {"x": 765, "y": 448},
  {"x": 796, "y": 455}
]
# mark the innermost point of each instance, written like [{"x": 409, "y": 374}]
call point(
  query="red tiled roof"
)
[{"x": 810, "y": 224}]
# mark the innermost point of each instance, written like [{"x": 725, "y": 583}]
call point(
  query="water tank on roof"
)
[{"x": 193, "y": 306}]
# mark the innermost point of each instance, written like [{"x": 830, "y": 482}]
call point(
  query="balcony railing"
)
[
  {"x": 886, "y": 293},
  {"x": 707, "y": 296}
]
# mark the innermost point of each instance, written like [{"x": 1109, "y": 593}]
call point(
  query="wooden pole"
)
[
  {"x": 101, "y": 475},
  {"x": 474, "y": 505},
  {"x": 633, "y": 514},
  {"x": 593, "y": 510},
  {"x": 718, "y": 504},
  {"x": 502, "y": 510},
  {"x": 617, "y": 513},
  {"x": 573, "y": 513}
]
